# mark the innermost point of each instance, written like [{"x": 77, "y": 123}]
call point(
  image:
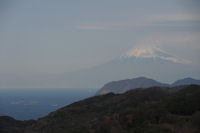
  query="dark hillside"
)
[{"x": 151, "y": 110}]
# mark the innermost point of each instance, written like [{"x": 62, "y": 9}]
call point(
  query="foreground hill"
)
[
  {"x": 141, "y": 82},
  {"x": 151, "y": 110}
]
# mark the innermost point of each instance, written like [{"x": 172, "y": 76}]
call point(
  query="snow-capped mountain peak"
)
[
  {"x": 146, "y": 52},
  {"x": 154, "y": 52}
]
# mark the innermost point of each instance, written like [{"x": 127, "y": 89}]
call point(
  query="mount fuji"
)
[
  {"x": 153, "y": 52},
  {"x": 143, "y": 61}
]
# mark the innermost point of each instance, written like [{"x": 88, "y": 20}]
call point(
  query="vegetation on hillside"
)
[{"x": 151, "y": 110}]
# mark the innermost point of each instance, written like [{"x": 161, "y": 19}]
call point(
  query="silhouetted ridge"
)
[
  {"x": 141, "y": 82},
  {"x": 186, "y": 81},
  {"x": 125, "y": 85}
]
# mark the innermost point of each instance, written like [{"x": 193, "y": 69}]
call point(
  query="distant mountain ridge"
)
[
  {"x": 186, "y": 81},
  {"x": 146, "y": 61},
  {"x": 125, "y": 85},
  {"x": 141, "y": 82}
]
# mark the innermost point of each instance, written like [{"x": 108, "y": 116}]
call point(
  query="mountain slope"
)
[
  {"x": 186, "y": 81},
  {"x": 10, "y": 125},
  {"x": 148, "y": 110},
  {"x": 141, "y": 82},
  {"x": 154, "y": 52},
  {"x": 125, "y": 85},
  {"x": 148, "y": 62}
]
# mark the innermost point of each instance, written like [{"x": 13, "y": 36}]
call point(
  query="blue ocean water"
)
[{"x": 25, "y": 104}]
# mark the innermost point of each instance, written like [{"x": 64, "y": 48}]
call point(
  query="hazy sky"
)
[{"x": 56, "y": 36}]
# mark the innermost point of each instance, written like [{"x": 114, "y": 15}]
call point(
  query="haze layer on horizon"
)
[{"x": 53, "y": 37}]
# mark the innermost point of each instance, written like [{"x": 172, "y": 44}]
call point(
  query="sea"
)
[{"x": 27, "y": 104}]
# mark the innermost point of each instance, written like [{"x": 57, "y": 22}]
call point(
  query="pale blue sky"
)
[{"x": 56, "y": 36}]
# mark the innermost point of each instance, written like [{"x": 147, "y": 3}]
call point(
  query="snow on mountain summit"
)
[
  {"x": 147, "y": 52},
  {"x": 154, "y": 52}
]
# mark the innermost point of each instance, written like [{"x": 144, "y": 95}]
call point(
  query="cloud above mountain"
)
[
  {"x": 175, "y": 17},
  {"x": 156, "y": 20}
]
